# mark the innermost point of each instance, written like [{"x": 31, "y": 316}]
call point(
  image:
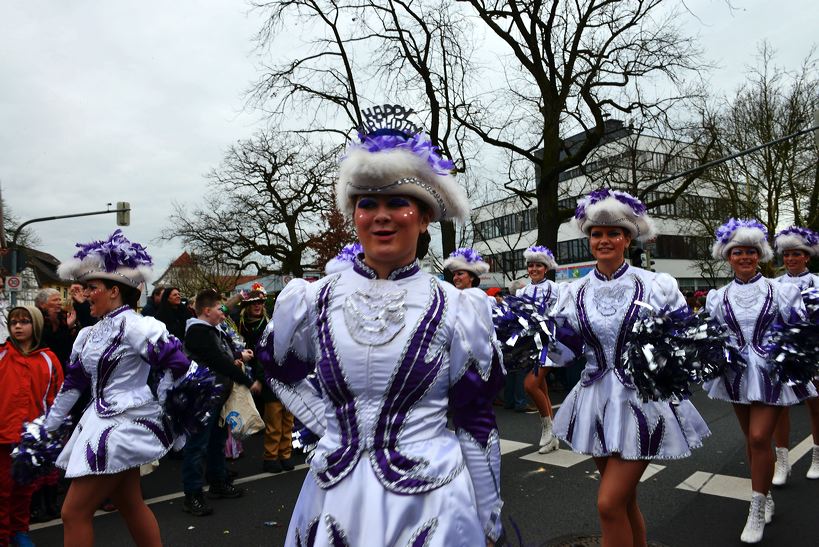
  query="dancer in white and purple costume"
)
[
  {"x": 797, "y": 245},
  {"x": 544, "y": 294},
  {"x": 603, "y": 416},
  {"x": 749, "y": 306},
  {"x": 124, "y": 426},
  {"x": 392, "y": 353}
]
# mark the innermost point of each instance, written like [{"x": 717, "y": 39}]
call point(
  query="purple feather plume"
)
[
  {"x": 603, "y": 193},
  {"x": 810, "y": 237},
  {"x": 468, "y": 255},
  {"x": 725, "y": 232},
  {"x": 115, "y": 252},
  {"x": 419, "y": 144}
]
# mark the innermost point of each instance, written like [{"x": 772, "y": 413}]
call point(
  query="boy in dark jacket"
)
[{"x": 206, "y": 344}]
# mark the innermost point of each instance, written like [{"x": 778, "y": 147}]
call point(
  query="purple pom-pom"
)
[
  {"x": 34, "y": 457},
  {"x": 793, "y": 349},
  {"x": 349, "y": 252},
  {"x": 192, "y": 401},
  {"x": 116, "y": 252}
]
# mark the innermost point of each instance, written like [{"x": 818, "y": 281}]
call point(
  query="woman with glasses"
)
[{"x": 749, "y": 306}]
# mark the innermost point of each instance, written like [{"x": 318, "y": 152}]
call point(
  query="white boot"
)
[
  {"x": 770, "y": 507},
  {"x": 755, "y": 526},
  {"x": 813, "y": 472},
  {"x": 545, "y": 431},
  {"x": 782, "y": 469},
  {"x": 548, "y": 442}
]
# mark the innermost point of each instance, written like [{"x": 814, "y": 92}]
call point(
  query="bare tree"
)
[
  {"x": 570, "y": 66},
  {"x": 264, "y": 205},
  {"x": 414, "y": 52}
]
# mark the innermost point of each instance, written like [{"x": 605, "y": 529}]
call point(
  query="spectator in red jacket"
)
[{"x": 30, "y": 377}]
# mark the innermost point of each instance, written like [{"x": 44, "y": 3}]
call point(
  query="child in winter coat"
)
[{"x": 30, "y": 378}]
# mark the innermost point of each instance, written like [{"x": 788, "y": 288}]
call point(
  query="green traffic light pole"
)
[{"x": 124, "y": 210}]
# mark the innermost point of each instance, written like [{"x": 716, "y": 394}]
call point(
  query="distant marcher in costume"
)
[
  {"x": 466, "y": 266},
  {"x": 797, "y": 245},
  {"x": 544, "y": 293},
  {"x": 603, "y": 416},
  {"x": 749, "y": 305},
  {"x": 124, "y": 427}
]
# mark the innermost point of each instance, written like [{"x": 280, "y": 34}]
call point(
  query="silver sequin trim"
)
[{"x": 401, "y": 182}]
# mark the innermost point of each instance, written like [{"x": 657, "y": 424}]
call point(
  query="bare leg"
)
[
  {"x": 84, "y": 496},
  {"x": 743, "y": 413},
  {"x": 620, "y": 518},
  {"x": 536, "y": 388},
  {"x": 139, "y": 518},
  {"x": 813, "y": 408},
  {"x": 782, "y": 433},
  {"x": 761, "y": 426}
]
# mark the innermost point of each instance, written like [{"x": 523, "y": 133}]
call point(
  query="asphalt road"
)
[{"x": 549, "y": 499}]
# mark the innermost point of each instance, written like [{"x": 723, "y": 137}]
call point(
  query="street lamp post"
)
[{"x": 123, "y": 211}]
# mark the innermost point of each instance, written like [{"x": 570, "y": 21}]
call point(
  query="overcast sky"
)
[{"x": 135, "y": 101}]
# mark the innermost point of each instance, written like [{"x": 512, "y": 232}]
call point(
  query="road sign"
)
[{"x": 13, "y": 283}]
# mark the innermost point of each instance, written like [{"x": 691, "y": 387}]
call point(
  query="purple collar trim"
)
[
  {"x": 803, "y": 274},
  {"x": 754, "y": 279},
  {"x": 399, "y": 273},
  {"x": 619, "y": 272}
]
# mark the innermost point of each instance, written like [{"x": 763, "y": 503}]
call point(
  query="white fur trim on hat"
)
[
  {"x": 744, "y": 235},
  {"x": 456, "y": 263},
  {"x": 399, "y": 171},
  {"x": 607, "y": 207},
  {"x": 88, "y": 269},
  {"x": 541, "y": 255},
  {"x": 797, "y": 239}
]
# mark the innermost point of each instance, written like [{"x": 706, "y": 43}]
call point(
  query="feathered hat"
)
[
  {"x": 796, "y": 238},
  {"x": 392, "y": 157},
  {"x": 538, "y": 253},
  {"x": 257, "y": 293},
  {"x": 344, "y": 259},
  {"x": 468, "y": 260},
  {"x": 740, "y": 232},
  {"x": 607, "y": 207},
  {"x": 116, "y": 258}
]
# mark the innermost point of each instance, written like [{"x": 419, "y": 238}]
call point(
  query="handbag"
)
[{"x": 240, "y": 414}]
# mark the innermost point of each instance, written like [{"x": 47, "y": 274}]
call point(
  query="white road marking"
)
[
  {"x": 560, "y": 458},
  {"x": 507, "y": 446}
]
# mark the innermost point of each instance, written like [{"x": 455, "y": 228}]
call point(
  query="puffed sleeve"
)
[
  {"x": 76, "y": 381},
  {"x": 476, "y": 375},
  {"x": 567, "y": 344},
  {"x": 791, "y": 306},
  {"x": 162, "y": 351},
  {"x": 287, "y": 351},
  {"x": 712, "y": 304},
  {"x": 665, "y": 294}
]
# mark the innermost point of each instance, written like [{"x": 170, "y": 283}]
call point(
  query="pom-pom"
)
[
  {"x": 668, "y": 350},
  {"x": 811, "y": 299},
  {"x": 303, "y": 438},
  {"x": 521, "y": 322},
  {"x": 793, "y": 351},
  {"x": 34, "y": 457},
  {"x": 191, "y": 402}
]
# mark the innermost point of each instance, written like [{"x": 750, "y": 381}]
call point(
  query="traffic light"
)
[
  {"x": 123, "y": 213},
  {"x": 646, "y": 263},
  {"x": 637, "y": 257}
]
